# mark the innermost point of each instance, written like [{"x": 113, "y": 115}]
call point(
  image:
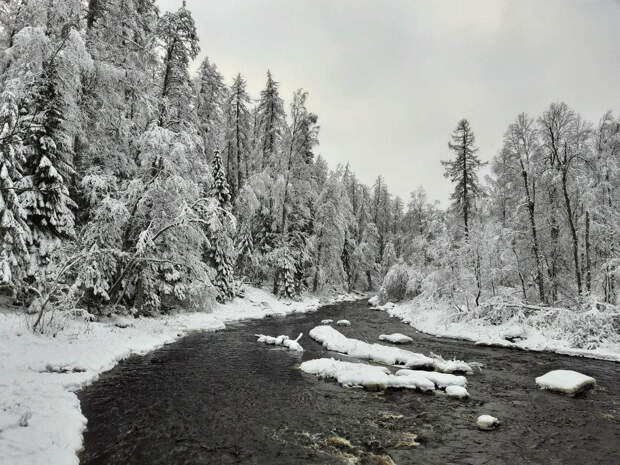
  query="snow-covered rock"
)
[
  {"x": 514, "y": 334},
  {"x": 343, "y": 323},
  {"x": 351, "y": 374},
  {"x": 457, "y": 391},
  {"x": 487, "y": 422},
  {"x": 395, "y": 338},
  {"x": 441, "y": 380},
  {"x": 374, "y": 300},
  {"x": 566, "y": 381},
  {"x": 326, "y": 322},
  {"x": 334, "y": 340},
  {"x": 281, "y": 340}
]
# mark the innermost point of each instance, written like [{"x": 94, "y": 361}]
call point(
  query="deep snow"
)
[
  {"x": 40, "y": 374},
  {"x": 439, "y": 320}
]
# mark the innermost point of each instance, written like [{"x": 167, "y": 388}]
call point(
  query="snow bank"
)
[
  {"x": 566, "y": 381},
  {"x": 351, "y": 374},
  {"x": 334, "y": 340},
  {"x": 395, "y": 338},
  {"x": 281, "y": 340},
  {"x": 541, "y": 330},
  {"x": 39, "y": 374}
]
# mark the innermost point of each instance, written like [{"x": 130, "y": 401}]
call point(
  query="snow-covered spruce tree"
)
[
  {"x": 180, "y": 45},
  {"x": 219, "y": 250},
  {"x": 210, "y": 95},
  {"x": 44, "y": 191},
  {"x": 237, "y": 145},
  {"x": 270, "y": 122},
  {"x": 14, "y": 231},
  {"x": 463, "y": 171}
]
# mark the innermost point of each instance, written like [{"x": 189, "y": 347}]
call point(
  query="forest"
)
[{"x": 130, "y": 184}]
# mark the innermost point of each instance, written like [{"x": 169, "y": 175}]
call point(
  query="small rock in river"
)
[
  {"x": 487, "y": 422},
  {"x": 326, "y": 322},
  {"x": 343, "y": 323}
]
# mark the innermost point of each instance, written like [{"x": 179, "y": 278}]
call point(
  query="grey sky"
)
[{"x": 390, "y": 79}]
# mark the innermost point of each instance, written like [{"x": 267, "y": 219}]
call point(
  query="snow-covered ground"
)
[
  {"x": 40, "y": 417},
  {"x": 443, "y": 320}
]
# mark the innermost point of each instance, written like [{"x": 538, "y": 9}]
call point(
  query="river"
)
[{"x": 221, "y": 398}]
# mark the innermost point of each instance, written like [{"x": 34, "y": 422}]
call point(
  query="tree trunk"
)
[
  {"x": 535, "y": 248},
  {"x": 573, "y": 230}
]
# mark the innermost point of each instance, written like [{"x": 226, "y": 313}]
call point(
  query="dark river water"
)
[{"x": 222, "y": 398}]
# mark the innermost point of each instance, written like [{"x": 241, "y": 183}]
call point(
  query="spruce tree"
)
[
  {"x": 219, "y": 252},
  {"x": 45, "y": 194},
  {"x": 210, "y": 94},
  {"x": 270, "y": 121},
  {"x": 238, "y": 132},
  {"x": 14, "y": 231},
  {"x": 463, "y": 171}
]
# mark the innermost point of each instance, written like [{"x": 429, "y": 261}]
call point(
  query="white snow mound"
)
[
  {"x": 351, "y": 374},
  {"x": 334, "y": 340},
  {"x": 343, "y": 323},
  {"x": 487, "y": 422},
  {"x": 566, "y": 381},
  {"x": 395, "y": 338},
  {"x": 441, "y": 380},
  {"x": 457, "y": 391},
  {"x": 281, "y": 340}
]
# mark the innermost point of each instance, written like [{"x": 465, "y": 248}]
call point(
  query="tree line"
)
[{"x": 125, "y": 181}]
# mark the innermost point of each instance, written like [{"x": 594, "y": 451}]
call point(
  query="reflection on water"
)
[{"x": 220, "y": 398}]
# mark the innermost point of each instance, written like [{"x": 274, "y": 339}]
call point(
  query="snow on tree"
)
[
  {"x": 270, "y": 122},
  {"x": 210, "y": 94},
  {"x": 463, "y": 171},
  {"x": 237, "y": 146}
]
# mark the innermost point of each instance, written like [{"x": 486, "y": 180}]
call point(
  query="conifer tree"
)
[
  {"x": 219, "y": 251},
  {"x": 463, "y": 171},
  {"x": 238, "y": 133},
  {"x": 270, "y": 121},
  {"x": 210, "y": 95}
]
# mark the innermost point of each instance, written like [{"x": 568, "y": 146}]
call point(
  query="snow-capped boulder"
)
[
  {"x": 395, "y": 338},
  {"x": 487, "y": 422},
  {"x": 565, "y": 381},
  {"x": 326, "y": 322},
  {"x": 514, "y": 334},
  {"x": 458, "y": 392},
  {"x": 343, "y": 323},
  {"x": 373, "y": 300},
  {"x": 441, "y": 380},
  {"x": 281, "y": 340},
  {"x": 372, "y": 377}
]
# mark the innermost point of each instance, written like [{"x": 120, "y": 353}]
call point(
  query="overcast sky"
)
[{"x": 390, "y": 79}]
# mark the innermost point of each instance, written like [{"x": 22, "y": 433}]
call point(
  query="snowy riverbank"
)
[
  {"x": 442, "y": 320},
  {"x": 40, "y": 374}
]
